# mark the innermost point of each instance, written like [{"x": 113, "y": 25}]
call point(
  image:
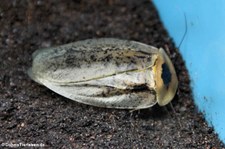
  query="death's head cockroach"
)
[{"x": 107, "y": 72}]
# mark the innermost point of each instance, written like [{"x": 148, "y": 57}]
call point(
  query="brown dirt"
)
[{"x": 30, "y": 113}]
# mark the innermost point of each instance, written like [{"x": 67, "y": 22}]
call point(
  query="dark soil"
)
[{"x": 31, "y": 113}]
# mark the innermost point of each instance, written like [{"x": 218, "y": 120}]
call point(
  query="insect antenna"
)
[
  {"x": 175, "y": 113},
  {"x": 185, "y": 32},
  {"x": 182, "y": 39}
]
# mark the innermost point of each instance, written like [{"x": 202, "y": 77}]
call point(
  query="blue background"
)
[{"x": 203, "y": 50}]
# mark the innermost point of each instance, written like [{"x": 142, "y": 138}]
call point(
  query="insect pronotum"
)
[{"x": 107, "y": 72}]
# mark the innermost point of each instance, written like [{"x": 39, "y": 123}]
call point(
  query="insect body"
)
[{"x": 107, "y": 72}]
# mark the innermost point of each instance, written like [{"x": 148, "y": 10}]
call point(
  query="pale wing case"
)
[{"x": 107, "y": 72}]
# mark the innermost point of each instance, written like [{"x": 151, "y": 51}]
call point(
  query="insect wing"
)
[
  {"x": 103, "y": 96},
  {"x": 108, "y": 72},
  {"x": 91, "y": 59}
]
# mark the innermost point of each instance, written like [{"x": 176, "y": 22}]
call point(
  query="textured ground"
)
[{"x": 30, "y": 113}]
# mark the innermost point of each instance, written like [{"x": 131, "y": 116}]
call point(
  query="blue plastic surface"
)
[{"x": 203, "y": 50}]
